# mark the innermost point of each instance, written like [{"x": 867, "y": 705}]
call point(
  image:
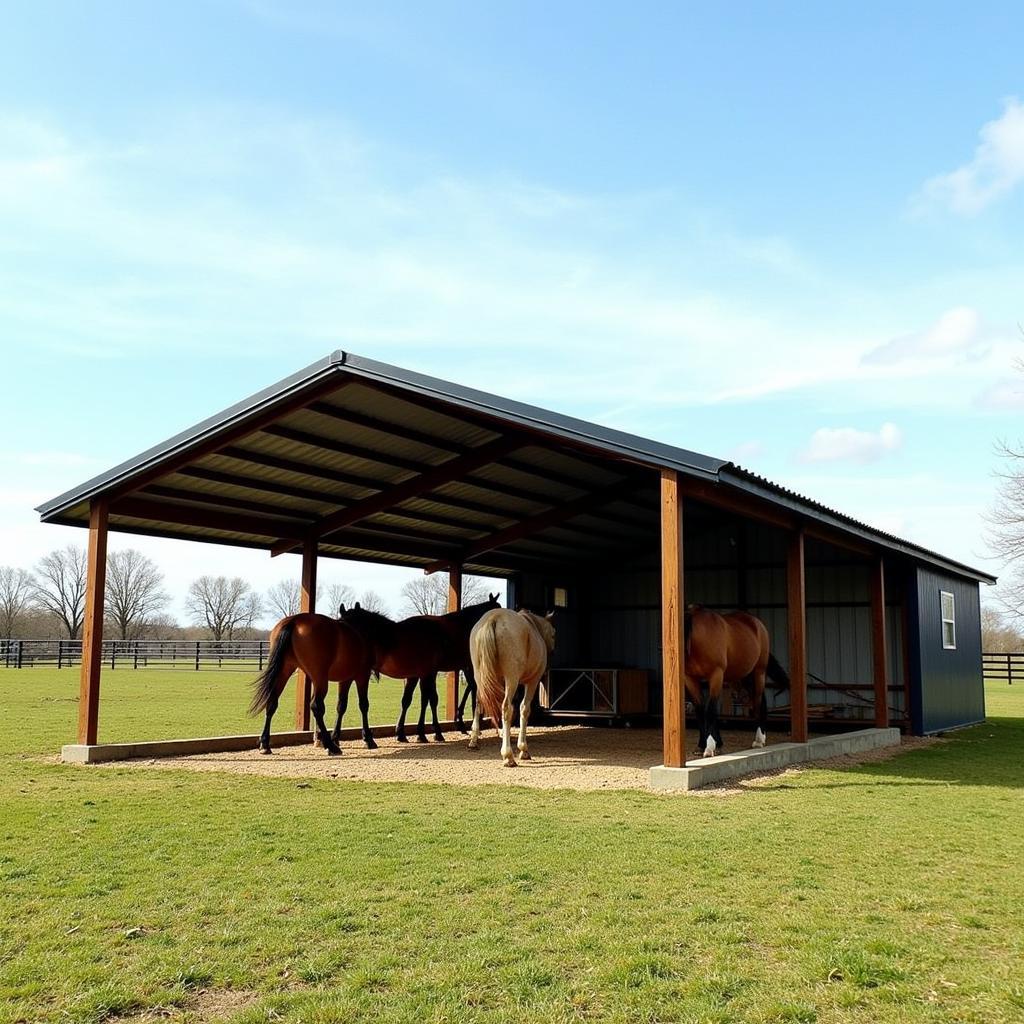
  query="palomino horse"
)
[
  {"x": 508, "y": 648},
  {"x": 415, "y": 650},
  {"x": 724, "y": 649},
  {"x": 324, "y": 649}
]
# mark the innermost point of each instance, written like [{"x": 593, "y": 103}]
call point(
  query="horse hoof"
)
[
  {"x": 265, "y": 750},
  {"x": 370, "y": 744},
  {"x": 464, "y": 729},
  {"x": 401, "y": 737},
  {"x": 421, "y": 739},
  {"x": 439, "y": 738},
  {"x": 524, "y": 755},
  {"x": 473, "y": 745},
  {"x": 333, "y": 751},
  {"x": 510, "y": 763}
]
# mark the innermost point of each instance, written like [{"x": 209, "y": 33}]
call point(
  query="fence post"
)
[
  {"x": 21, "y": 648},
  {"x": 113, "y": 652},
  {"x": 260, "y": 654},
  {"x": 197, "y": 655},
  {"x": 60, "y": 653},
  {"x": 135, "y": 649}
]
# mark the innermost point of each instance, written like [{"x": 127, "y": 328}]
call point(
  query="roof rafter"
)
[
  {"x": 421, "y": 483},
  {"x": 534, "y": 524}
]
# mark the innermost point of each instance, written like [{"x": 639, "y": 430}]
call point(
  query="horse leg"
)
[
  {"x": 507, "y": 710},
  {"x": 407, "y": 691},
  {"x": 470, "y": 688},
  {"x": 700, "y": 708},
  {"x": 474, "y": 734},
  {"x": 524, "y": 717},
  {"x": 316, "y": 705},
  {"x": 421, "y": 728},
  {"x": 711, "y": 725},
  {"x": 363, "y": 691},
  {"x": 433, "y": 697},
  {"x": 271, "y": 708},
  {"x": 343, "y": 689},
  {"x": 761, "y": 704}
]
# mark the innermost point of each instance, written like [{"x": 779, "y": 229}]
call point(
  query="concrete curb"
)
[{"x": 780, "y": 755}]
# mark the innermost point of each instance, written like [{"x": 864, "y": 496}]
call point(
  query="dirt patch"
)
[
  {"x": 564, "y": 757},
  {"x": 206, "y": 1006}
]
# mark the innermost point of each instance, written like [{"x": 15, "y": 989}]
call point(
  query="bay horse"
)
[
  {"x": 724, "y": 649},
  {"x": 324, "y": 649},
  {"x": 508, "y": 648},
  {"x": 415, "y": 649}
]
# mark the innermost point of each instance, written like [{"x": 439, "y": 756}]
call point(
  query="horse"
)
[
  {"x": 724, "y": 649},
  {"x": 415, "y": 649},
  {"x": 324, "y": 649},
  {"x": 508, "y": 648},
  {"x": 459, "y": 624}
]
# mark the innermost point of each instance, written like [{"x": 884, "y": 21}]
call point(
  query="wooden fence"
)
[
  {"x": 1004, "y": 667},
  {"x": 242, "y": 655}
]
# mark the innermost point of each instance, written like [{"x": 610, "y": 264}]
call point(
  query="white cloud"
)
[
  {"x": 839, "y": 444},
  {"x": 958, "y": 331},
  {"x": 995, "y": 170},
  {"x": 747, "y": 451}
]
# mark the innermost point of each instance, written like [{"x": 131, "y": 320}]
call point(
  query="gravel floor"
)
[{"x": 564, "y": 757}]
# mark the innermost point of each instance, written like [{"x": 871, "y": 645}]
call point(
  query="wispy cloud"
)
[
  {"x": 957, "y": 332},
  {"x": 847, "y": 444},
  {"x": 996, "y": 168}
]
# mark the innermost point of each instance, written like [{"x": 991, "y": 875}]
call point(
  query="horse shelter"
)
[{"x": 355, "y": 459}]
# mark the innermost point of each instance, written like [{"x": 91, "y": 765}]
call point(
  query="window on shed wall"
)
[
  {"x": 948, "y": 620},
  {"x": 559, "y": 597}
]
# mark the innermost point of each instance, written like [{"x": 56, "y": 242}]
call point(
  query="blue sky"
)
[{"x": 781, "y": 233}]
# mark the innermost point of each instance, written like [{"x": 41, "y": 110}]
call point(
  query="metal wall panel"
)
[{"x": 950, "y": 685}]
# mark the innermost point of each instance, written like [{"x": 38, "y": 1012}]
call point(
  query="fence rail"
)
[
  {"x": 1004, "y": 667},
  {"x": 241, "y": 655}
]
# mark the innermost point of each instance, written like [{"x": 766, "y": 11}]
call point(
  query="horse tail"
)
[
  {"x": 776, "y": 673},
  {"x": 266, "y": 682},
  {"x": 490, "y": 684}
]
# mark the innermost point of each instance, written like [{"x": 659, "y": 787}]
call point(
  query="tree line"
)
[{"x": 48, "y": 600}]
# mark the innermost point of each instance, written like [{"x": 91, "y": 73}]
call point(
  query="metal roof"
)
[{"x": 416, "y": 471}]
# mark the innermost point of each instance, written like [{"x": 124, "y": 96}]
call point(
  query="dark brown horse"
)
[
  {"x": 324, "y": 649},
  {"x": 416, "y": 649},
  {"x": 724, "y": 649}
]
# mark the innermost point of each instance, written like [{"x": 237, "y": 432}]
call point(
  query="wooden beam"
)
[
  {"x": 720, "y": 496},
  {"x": 537, "y": 523},
  {"x": 451, "y": 692},
  {"x": 421, "y": 483},
  {"x": 312, "y": 469},
  {"x": 212, "y": 519},
  {"x": 342, "y": 447},
  {"x": 92, "y": 624},
  {"x": 878, "y": 644},
  {"x": 672, "y": 609},
  {"x": 840, "y": 540},
  {"x": 796, "y": 588},
  {"x": 307, "y": 603},
  {"x": 223, "y": 501}
]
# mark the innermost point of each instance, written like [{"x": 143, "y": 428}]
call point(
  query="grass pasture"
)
[{"x": 891, "y": 892}]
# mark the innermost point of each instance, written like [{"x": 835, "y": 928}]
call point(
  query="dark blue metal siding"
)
[{"x": 950, "y": 685}]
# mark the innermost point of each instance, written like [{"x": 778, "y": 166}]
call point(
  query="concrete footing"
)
[
  {"x": 95, "y": 753},
  {"x": 708, "y": 771}
]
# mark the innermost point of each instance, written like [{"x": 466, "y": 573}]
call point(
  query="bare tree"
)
[
  {"x": 428, "y": 595},
  {"x": 1006, "y": 530},
  {"x": 373, "y": 602},
  {"x": 998, "y": 636},
  {"x": 223, "y": 605},
  {"x": 134, "y": 592},
  {"x": 338, "y": 594},
  {"x": 285, "y": 598},
  {"x": 16, "y": 590},
  {"x": 60, "y": 586}
]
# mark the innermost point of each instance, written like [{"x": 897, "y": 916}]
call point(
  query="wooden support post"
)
[
  {"x": 307, "y": 603},
  {"x": 878, "y": 644},
  {"x": 451, "y": 693},
  {"x": 672, "y": 610},
  {"x": 92, "y": 624},
  {"x": 797, "y": 615}
]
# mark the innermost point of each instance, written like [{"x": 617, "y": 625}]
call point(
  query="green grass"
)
[{"x": 885, "y": 893}]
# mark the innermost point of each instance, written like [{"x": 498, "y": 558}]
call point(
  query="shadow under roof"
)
[{"x": 396, "y": 467}]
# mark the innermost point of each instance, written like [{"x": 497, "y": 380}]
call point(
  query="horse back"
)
[{"x": 736, "y": 644}]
